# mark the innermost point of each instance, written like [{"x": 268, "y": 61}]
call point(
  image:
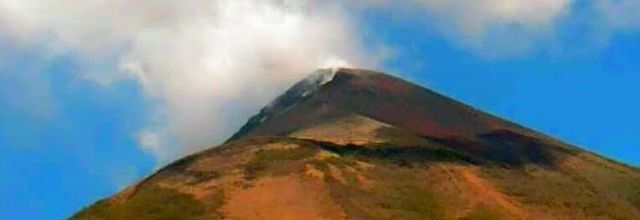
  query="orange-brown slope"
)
[
  {"x": 364, "y": 145},
  {"x": 288, "y": 178}
]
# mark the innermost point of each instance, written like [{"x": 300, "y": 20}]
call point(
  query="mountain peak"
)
[
  {"x": 331, "y": 93},
  {"x": 359, "y": 144},
  {"x": 299, "y": 92}
]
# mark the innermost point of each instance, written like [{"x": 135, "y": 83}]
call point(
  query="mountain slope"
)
[{"x": 356, "y": 144}]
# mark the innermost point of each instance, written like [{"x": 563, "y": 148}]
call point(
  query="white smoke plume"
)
[{"x": 209, "y": 64}]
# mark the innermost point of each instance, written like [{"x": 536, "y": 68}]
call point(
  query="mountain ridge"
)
[
  {"x": 344, "y": 75},
  {"x": 359, "y": 144}
]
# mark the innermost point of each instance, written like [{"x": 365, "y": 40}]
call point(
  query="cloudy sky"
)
[{"x": 96, "y": 94}]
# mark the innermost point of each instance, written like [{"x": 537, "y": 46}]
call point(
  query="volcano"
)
[{"x": 359, "y": 144}]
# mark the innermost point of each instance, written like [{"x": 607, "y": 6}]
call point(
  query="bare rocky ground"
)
[{"x": 365, "y": 145}]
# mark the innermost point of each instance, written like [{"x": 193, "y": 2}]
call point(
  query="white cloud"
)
[
  {"x": 619, "y": 14},
  {"x": 488, "y": 27},
  {"x": 475, "y": 18},
  {"x": 495, "y": 27},
  {"x": 507, "y": 28},
  {"x": 209, "y": 64},
  {"x": 150, "y": 142}
]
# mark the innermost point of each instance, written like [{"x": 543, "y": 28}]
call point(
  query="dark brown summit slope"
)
[
  {"x": 375, "y": 95},
  {"x": 337, "y": 93}
]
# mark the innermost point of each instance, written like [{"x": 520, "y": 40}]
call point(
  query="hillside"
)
[{"x": 358, "y": 144}]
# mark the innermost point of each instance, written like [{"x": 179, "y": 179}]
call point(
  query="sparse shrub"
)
[
  {"x": 635, "y": 197},
  {"x": 397, "y": 193},
  {"x": 216, "y": 203},
  {"x": 148, "y": 203},
  {"x": 272, "y": 160},
  {"x": 484, "y": 213},
  {"x": 414, "y": 199}
]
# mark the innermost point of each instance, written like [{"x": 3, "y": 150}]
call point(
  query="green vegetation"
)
[
  {"x": 560, "y": 190},
  {"x": 275, "y": 161},
  {"x": 384, "y": 181},
  {"x": 401, "y": 137},
  {"x": 398, "y": 193},
  {"x": 215, "y": 203},
  {"x": 413, "y": 201},
  {"x": 390, "y": 154},
  {"x": 202, "y": 176},
  {"x": 148, "y": 203},
  {"x": 635, "y": 197},
  {"x": 484, "y": 213},
  {"x": 339, "y": 161}
]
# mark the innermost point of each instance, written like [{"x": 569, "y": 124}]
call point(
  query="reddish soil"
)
[{"x": 281, "y": 198}]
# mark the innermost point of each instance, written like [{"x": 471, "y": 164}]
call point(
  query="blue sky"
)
[
  {"x": 585, "y": 99},
  {"x": 85, "y": 115},
  {"x": 59, "y": 156}
]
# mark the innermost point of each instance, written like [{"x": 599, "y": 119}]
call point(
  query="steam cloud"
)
[{"x": 209, "y": 64}]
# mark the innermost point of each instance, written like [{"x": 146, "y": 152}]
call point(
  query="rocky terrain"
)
[{"x": 358, "y": 144}]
